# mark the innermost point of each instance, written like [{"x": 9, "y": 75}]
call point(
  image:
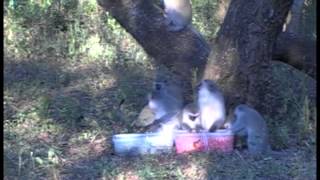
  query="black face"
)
[{"x": 192, "y": 118}]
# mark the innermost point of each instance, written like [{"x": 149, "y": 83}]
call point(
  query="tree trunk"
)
[
  {"x": 297, "y": 51},
  {"x": 180, "y": 52},
  {"x": 240, "y": 61},
  {"x": 293, "y": 45},
  {"x": 294, "y": 17}
]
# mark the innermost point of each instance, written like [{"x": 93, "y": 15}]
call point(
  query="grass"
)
[{"x": 67, "y": 66}]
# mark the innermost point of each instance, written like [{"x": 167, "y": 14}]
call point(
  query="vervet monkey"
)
[
  {"x": 248, "y": 122},
  {"x": 190, "y": 119},
  {"x": 211, "y": 106},
  {"x": 178, "y": 14},
  {"x": 165, "y": 98}
]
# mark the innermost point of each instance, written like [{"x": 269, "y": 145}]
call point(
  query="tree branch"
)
[{"x": 180, "y": 52}]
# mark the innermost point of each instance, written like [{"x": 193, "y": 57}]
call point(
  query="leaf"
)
[
  {"x": 39, "y": 160},
  {"x": 51, "y": 153}
]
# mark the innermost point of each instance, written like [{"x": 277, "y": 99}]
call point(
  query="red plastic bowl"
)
[{"x": 220, "y": 141}]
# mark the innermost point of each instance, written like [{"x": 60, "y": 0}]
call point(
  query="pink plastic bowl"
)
[{"x": 221, "y": 141}]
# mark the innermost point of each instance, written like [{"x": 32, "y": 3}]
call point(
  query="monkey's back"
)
[
  {"x": 211, "y": 105},
  {"x": 258, "y": 140},
  {"x": 254, "y": 121},
  {"x": 212, "y": 102}
]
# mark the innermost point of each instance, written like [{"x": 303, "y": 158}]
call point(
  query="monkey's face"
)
[
  {"x": 161, "y": 86},
  {"x": 191, "y": 119}
]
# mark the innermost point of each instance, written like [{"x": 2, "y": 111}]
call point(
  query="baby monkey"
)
[
  {"x": 249, "y": 123},
  {"x": 190, "y": 119}
]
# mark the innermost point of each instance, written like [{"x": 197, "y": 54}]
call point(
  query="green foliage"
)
[
  {"x": 70, "y": 29},
  {"x": 204, "y": 17},
  {"x": 293, "y": 118}
]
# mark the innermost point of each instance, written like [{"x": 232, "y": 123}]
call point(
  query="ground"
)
[{"x": 59, "y": 120}]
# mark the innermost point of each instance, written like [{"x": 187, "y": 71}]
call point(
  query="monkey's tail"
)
[
  {"x": 121, "y": 103},
  {"x": 118, "y": 110}
]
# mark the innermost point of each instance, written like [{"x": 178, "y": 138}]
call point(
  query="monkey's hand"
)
[
  {"x": 198, "y": 129},
  {"x": 185, "y": 127},
  {"x": 227, "y": 125},
  {"x": 152, "y": 128},
  {"x": 157, "y": 124}
]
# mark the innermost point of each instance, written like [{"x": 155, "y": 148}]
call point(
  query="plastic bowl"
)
[
  {"x": 220, "y": 141},
  {"x": 137, "y": 144}
]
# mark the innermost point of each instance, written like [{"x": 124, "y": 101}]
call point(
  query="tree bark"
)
[
  {"x": 180, "y": 52},
  {"x": 294, "y": 17},
  {"x": 293, "y": 46},
  {"x": 297, "y": 51},
  {"x": 240, "y": 61}
]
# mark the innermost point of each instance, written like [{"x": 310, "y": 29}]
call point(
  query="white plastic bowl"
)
[{"x": 135, "y": 144}]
